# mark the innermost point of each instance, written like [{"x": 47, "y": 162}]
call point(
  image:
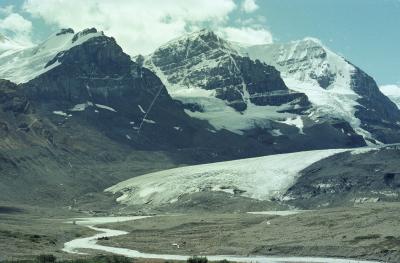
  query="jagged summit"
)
[
  {"x": 204, "y": 40},
  {"x": 204, "y": 34},
  {"x": 65, "y": 31}
]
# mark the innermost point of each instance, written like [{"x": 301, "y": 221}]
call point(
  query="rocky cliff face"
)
[
  {"x": 202, "y": 60},
  {"x": 392, "y": 92},
  {"x": 377, "y": 113}
]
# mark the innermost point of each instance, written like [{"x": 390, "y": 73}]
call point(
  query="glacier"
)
[{"x": 259, "y": 178}]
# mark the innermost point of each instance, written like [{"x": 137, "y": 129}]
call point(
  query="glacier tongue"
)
[{"x": 260, "y": 178}]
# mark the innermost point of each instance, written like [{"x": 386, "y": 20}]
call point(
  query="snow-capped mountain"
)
[
  {"x": 392, "y": 92},
  {"x": 335, "y": 87},
  {"x": 22, "y": 64},
  {"x": 85, "y": 78},
  {"x": 216, "y": 91},
  {"x": 216, "y": 82}
]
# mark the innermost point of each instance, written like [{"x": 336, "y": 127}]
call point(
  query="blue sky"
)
[{"x": 366, "y": 32}]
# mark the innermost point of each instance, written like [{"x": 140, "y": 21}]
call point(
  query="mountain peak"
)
[
  {"x": 204, "y": 39},
  {"x": 312, "y": 41},
  {"x": 205, "y": 33},
  {"x": 86, "y": 32},
  {"x": 64, "y": 31}
]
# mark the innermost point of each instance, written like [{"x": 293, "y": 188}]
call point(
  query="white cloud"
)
[
  {"x": 16, "y": 23},
  {"x": 141, "y": 26},
  {"x": 18, "y": 27},
  {"x": 247, "y": 35},
  {"x": 249, "y": 6},
  {"x": 390, "y": 90},
  {"x": 6, "y": 10}
]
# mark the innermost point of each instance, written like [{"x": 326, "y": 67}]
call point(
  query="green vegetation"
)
[{"x": 196, "y": 259}]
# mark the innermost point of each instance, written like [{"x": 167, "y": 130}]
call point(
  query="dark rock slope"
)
[{"x": 348, "y": 179}]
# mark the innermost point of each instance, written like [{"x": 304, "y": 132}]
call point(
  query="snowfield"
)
[
  {"x": 21, "y": 64},
  {"x": 259, "y": 178}
]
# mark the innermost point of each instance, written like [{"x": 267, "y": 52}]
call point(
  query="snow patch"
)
[
  {"x": 297, "y": 121},
  {"x": 81, "y": 106},
  {"x": 149, "y": 121},
  {"x": 61, "y": 113},
  {"x": 105, "y": 107},
  {"x": 279, "y": 213},
  {"x": 276, "y": 132},
  {"x": 141, "y": 109}
]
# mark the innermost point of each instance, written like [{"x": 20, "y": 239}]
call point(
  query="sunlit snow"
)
[{"x": 260, "y": 178}]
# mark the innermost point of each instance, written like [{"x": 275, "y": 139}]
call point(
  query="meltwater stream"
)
[{"x": 77, "y": 245}]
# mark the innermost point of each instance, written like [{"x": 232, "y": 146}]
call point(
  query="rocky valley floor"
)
[{"x": 367, "y": 231}]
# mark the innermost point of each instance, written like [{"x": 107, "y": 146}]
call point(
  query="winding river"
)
[{"x": 77, "y": 246}]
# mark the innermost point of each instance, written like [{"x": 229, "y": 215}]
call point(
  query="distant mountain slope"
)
[
  {"x": 392, "y": 92},
  {"x": 336, "y": 88}
]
